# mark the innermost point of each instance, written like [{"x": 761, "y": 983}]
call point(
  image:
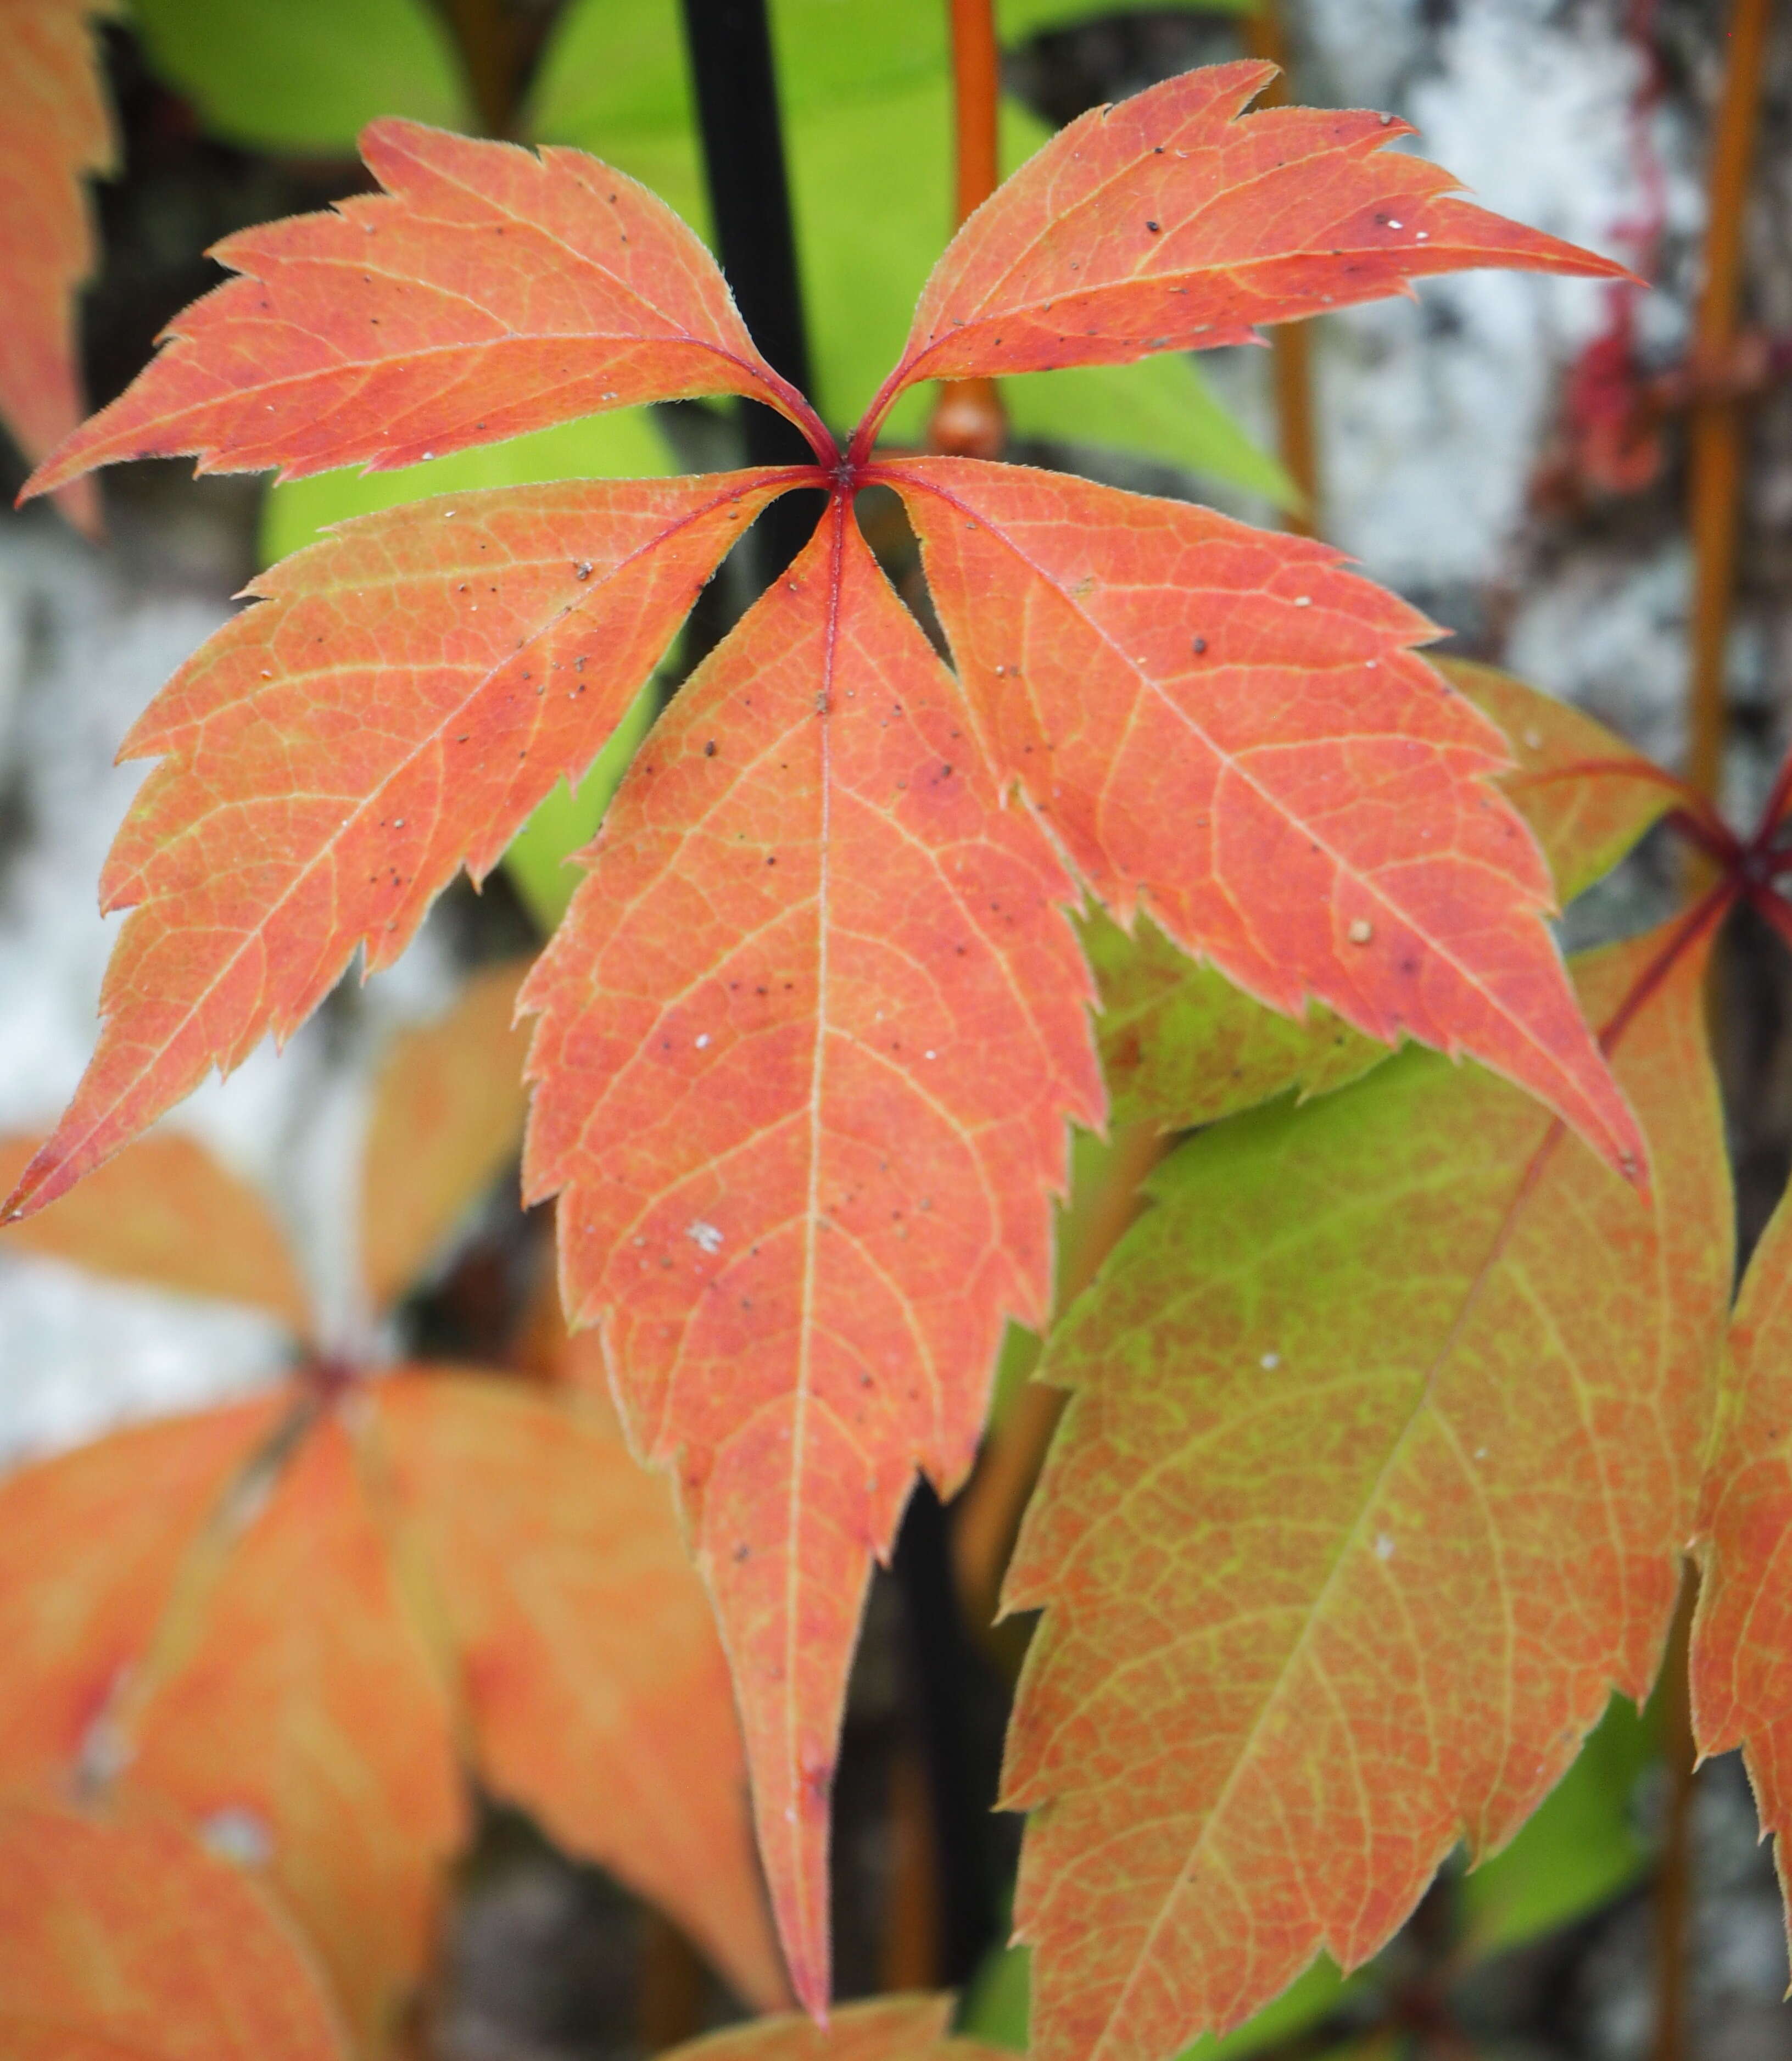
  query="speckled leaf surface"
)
[
  {"x": 809, "y": 1038},
  {"x": 487, "y": 292},
  {"x": 1234, "y": 733},
  {"x": 1384, "y": 1439},
  {"x": 1173, "y": 221},
  {"x": 1181, "y": 1045},
  {"x": 592, "y": 1678},
  {"x": 1741, "y": 1665},
  {"x": 122, "y": 1938},
  {"x": 402, "y": 696}
]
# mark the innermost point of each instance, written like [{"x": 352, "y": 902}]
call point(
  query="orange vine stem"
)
[
  {"x": 1291, "y": 343},
  {"x": 1716, "y": 450},
  {"x": 969, "y": 420}
]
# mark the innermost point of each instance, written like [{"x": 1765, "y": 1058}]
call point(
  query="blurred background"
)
[{"x": 1509, "y": 453}]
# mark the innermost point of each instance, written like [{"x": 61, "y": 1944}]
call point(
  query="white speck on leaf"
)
[
  {"x": 1361, "y": 931},
  {"x": 1270, "y": 1361},
  {"x": 703, "y": 1039},
  {"x": 239, "y": 1835},
  {"x": 1384, "y": 1546},
  {"x": 706, "y": 1237}
]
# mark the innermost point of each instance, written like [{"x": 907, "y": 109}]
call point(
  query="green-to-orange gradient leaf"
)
[
  {"x": 1742, "y": 1651},
  {"x": 55, "y": 131},
  {"x": 811, "y": 1035},
  {"x": 1384, "y": 1441},
  {"x": 1181, "y": 1045},
  {"x": 122, "y": 1938},
  {"x": 295, "y": 1641}
]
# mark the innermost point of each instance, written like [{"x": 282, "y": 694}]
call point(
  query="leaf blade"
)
[
  {"x": 487, "y": 292},
  {"x": 805, "y": 1110},
  {"x": 283, "y": 829}
]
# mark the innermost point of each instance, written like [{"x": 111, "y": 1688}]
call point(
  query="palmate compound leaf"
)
[
  {"x": 56, "y": 130},
  {"x": 401, "y": 699},
  {"x": 808, "y": 1040},
  {"x": 1168, "y": 688},
  {"x": 1742, "y": 1676},
  {"x": 293, "y": 1631},
  {"x": 1384, "y": 1441},
  {"x": 908, "y": 1183},
  {"x": 1181, "y": 1045},
  {"x": 122, "y": 1938}
]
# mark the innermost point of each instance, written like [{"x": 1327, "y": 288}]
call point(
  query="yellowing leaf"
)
[
  {"x": 1383, "y": 1444},
  {"x": 596, "y": 1692},
  {"x": 165, "y": 1213},
  {"x": 447, "y": 1117},
  {"x": 122, "y": 1940}
]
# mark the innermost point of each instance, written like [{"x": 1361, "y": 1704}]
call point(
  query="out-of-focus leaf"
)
[
  {"x": 122, "y": 1938},
  {"x": 447, "y": 1115},
  {"x": 1381, "y": 1451},
  {"x": 886, "y": 2028},
  {"x": 55, "y": 129},
  {"x": 295, "y": 1717},
  {"x": 305, "y": 75},
  {"x": 596, "y": 1690},
  {"x": 1182, "y": 1046},
  {"x": 90, "y": 1545},
  {"x": 1579, "y": 1850},
  {"x": 165, "y": 1213}
]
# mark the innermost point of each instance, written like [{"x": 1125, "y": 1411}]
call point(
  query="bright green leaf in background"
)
[{"x": 305, "y": 75}]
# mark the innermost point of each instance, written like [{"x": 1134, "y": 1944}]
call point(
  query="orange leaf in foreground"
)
[
  {"x": 401, "y": 698},
  {"x": 488, "y": 291},
  {"x": 56, "y": 130},
  {"x": 596, "y": 1692},
  {"x": 809, "y": 1038},
  {"x": 1167, "y": 686},
  {"x": 167, "y": 1213},
  {"x": 1383, "y": 1445},
  {"x": 122, "y": 1940},
  {"x": 1174, "y": 221},
  {"x": 1741, "y": 1651}
]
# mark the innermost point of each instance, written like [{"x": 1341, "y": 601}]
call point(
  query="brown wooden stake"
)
[
  {"x": 911, "y": 1959},
  {"x": 969, "y": 420},
  {"x": 1290, "y": 342},
  {"x": 1716, "y": 429},
  {"x": 488, "y": 56}
]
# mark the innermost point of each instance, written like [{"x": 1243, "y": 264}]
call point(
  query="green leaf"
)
[
  {"x": 1020, "y": 19},
  {"x": 305, "y": 75}
]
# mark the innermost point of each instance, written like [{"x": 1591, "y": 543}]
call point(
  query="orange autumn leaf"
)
[
  {"x": 810, "y": 1036},
  {"x": 447, "y": 1117},
  {"x": 595, "y": 1691},
  {"x": 1380, "y": 1452},
  {"x": 57, "y": 130},
  {"x": 122, "y": 1938},
  {"x": 166, "y": 1213},
  {"x": 885, "y": 2028}
]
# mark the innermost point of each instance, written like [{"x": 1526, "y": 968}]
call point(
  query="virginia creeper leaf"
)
[
  {"x": 496, "y": 638},
  {"x": 1167, "y": 686},
  {"x": 808, "y": 1039},
  {"x": 91, "y": 1543},
  {"x": 165, "y": 1213},
  {"x": 1182, "y": 1046},
  {"x": 57, "y": 130},
  {"x": 447, "y": 1117},
  {"x": 596, "y": 1692},
  {"x": 122, "y": 1940},
  {"x": 1742, "y": 1652},
  {"x": 1175, "y": 221},
  {"x": 293, "y": 1716},
  {"x": 487, "y": 292},
  {"x": 1382, "y": 1447}
]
